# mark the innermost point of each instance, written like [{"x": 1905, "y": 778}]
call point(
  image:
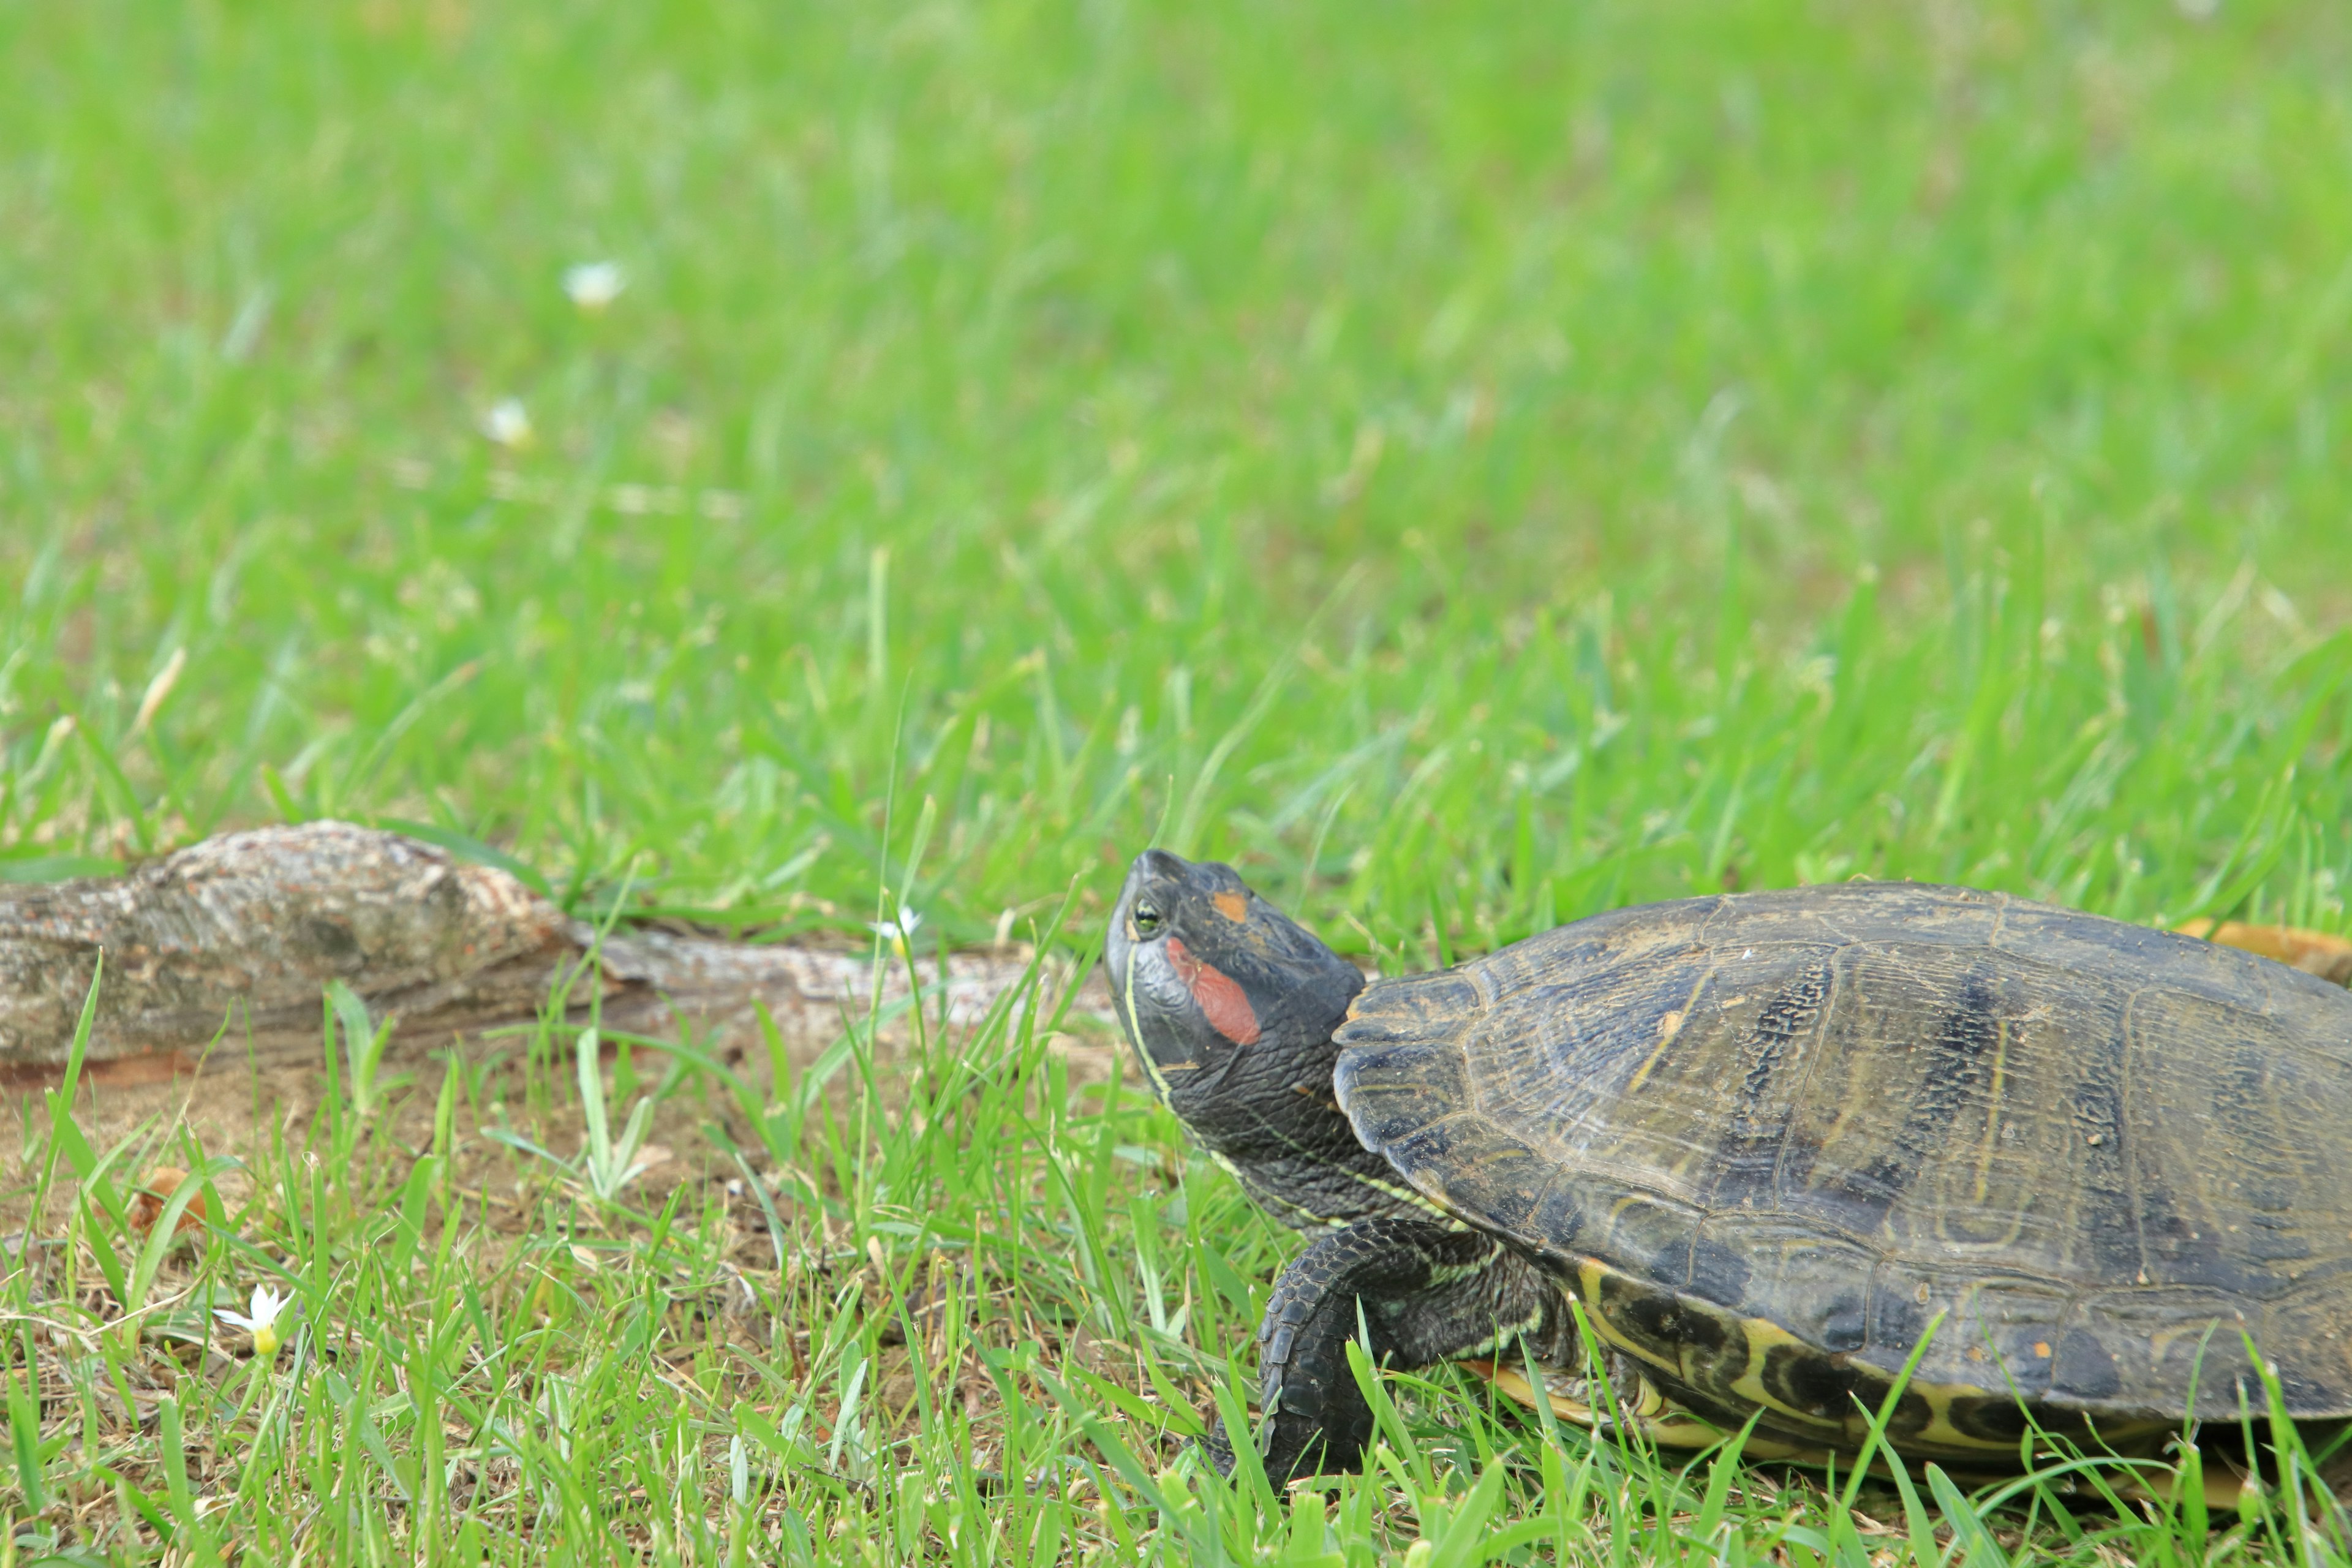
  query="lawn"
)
[{"x": 1467, "y": 465}]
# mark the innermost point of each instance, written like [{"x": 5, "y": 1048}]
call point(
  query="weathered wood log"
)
[{"x": 232, "y": 941}]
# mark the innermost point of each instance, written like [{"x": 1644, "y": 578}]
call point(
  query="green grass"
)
[{"x": 1469, "y": 466}]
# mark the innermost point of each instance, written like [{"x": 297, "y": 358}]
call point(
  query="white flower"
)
[
  {"x": 901, "y": 931},
  {"x": 508, "y": 423},
  {"x": 593, "y": 285},
  {"x": 262, "y": 1321}
]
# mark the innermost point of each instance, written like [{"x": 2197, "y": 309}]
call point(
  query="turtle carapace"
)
[{"x": 1766, "y": 1141}]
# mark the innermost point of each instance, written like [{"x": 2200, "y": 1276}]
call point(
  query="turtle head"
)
[{"x": 1224, "y": 998}]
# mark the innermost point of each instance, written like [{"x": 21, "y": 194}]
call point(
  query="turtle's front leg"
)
[{"x": 1427, "y": 1292}]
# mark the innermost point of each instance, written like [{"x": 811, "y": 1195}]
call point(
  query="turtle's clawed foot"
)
[{"x": 1286, "y": 1449}]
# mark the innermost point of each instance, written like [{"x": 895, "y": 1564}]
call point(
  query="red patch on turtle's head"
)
[{"x": 1222, "y": 1001}]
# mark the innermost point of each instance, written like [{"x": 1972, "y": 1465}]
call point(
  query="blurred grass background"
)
[
  {"x": 1522, "y": 458},
  {"x": 1468, "y": 464}
]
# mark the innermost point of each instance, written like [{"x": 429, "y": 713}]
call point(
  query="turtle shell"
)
[{"x": 1769, "y": 1140}]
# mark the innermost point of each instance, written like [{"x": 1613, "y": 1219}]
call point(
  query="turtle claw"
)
[{"x": 1286, "y": 1451}]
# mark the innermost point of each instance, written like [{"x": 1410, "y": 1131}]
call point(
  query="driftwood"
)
[{"x": 233, "y": 939}]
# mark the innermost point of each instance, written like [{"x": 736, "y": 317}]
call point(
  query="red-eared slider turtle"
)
[{"x": 1765, "y": 1140}]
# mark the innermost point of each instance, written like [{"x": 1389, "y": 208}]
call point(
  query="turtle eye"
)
[{"x": 1145, "y": 916}]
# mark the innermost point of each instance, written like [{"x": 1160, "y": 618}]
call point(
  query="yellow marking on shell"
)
[
  {"x": 1677, "y": 1428},
  {"x": 1847, "y": 1106},
  {"x": 1234, "y": 907},
  {"x": 1669, "y": 1026},
  {"x": 1635, "y": 1200},
  {"x": 1763, "y": 1337},
  {"x": 1658, "y": 1418},
  {"x": 2204, "y": 1329},
  {"x": 1939, "y": 1397},
  {"x": 1667, "y": 1424},
  {"x": 1588, "y": 1281},
  {"x": 1992, "y": 1110},
  {"x": 1690, "y": 1432},
  {"x": 1939, "y": 1430}
]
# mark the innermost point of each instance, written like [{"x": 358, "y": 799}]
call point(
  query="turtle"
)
[{"x": 1768, "y": 1157}]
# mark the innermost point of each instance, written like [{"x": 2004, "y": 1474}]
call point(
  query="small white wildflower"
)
[
  {"x": 262, "y": 1321},
  {"x": 508, "y": 423},
  {"x": 901, "y": 931},
  {"x": 593, "y": 285}
]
